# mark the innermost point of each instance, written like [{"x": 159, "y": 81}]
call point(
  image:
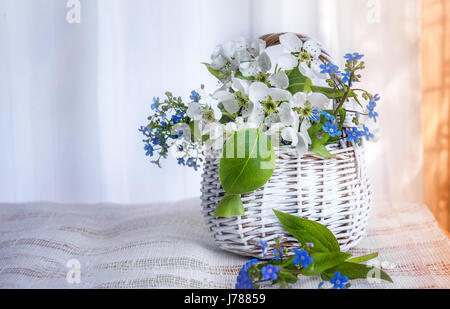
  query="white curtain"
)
[{"x": 72, "y": 96}]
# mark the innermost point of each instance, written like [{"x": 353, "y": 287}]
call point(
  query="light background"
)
[{"x": 73, "y": 95}]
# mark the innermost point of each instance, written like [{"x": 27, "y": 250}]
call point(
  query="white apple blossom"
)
[
  {"x": 292, "y": 44},
  {"x": 264, "y": 100},
  {"x": 228, "y": 100},
  {"x": 279, "y": 80},
  {"x": 316, "y": 101},
  {"x": 249, "y": 57}
]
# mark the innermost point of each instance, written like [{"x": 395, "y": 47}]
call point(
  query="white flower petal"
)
[
  {"x": 319, "y": 101},
  {"x": 302, "y": 145},
  {"x": 258, "y": 92},
  {"x": 229, "y": 50},
  {"x": 242, "y": 43},
  {"x": 241, "y": 85},
  {"x": 279, "y": 94},
  {"x": 228, "y": 101},
  {"x": 287, "y": 115},
  {"x": 291, "y": 42},
  {"x": 216, "y": 52},
  {"x": 279, "y": 80},
  {"x": 231, "y": 106},
  {"x": 306, "y": 124},
  {"x": 256, "y": 115},
  {"x": 257, "y": 47},
  {"x": 287, "y": 61},
  {"x": 313, "y": 48},
  {"x": 218, "y": 62},
  {"x": 305, "y": 70},
  {"x": 264, "y": 62},
  {"x": 250, "y": 68},
  {"x": 290, "y": 135},
  {"x": 298, "y": 100},
  {"x": 243, "y": 55},
  {"x": 217, "y": 112},
  {"x": 194, "y": 111}
]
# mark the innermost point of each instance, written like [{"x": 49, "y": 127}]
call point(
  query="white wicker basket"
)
[{"x": 333, "y": 192}]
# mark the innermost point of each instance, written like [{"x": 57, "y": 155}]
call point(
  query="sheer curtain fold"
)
[{"x": 73, "y": 95}]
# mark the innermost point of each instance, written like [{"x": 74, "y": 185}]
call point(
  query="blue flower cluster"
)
[
  {"x": 270, "y": 272},
  {"x": 315, "y": 116},
  {"x": 329, "y": 68},
  {"x": 244, "y": 281},
  {"x": 302, "y": 258},
  {"x": 371, "y": 107},
  {"x": 346, "y": 78},
  {"x": 190, "y": 162},
  {"x": 277, "y": 253},
  {"x": 195, "y": 96},
  {"x": 160, "y": 134},
  {"x": 353, "y": 57},
  {"x": 331, "y": 129},
  {"x": 339, "y": 281},
  {"x": 353, "y": 135}
]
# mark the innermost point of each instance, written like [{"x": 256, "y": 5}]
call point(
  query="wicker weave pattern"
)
[{"x": 334, "y": 192}]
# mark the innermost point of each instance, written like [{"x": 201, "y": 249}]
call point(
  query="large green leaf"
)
[
  {"x": 230, "y": 205},
  {"x": 306, "y": 231},
  {"x": 248, "y": 162},
  {"x": 323, "y": 261},
  {"x": 354, "y": 271},
  {"x": 298, "y": 82}
]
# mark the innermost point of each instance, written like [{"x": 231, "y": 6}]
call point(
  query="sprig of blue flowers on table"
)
[{"x": 320, "y": 255}]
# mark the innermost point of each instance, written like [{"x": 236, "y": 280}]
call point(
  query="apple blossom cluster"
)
[{"x": 305, "y": 101}]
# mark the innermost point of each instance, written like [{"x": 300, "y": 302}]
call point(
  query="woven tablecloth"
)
[{"x": 168, "y": 246}]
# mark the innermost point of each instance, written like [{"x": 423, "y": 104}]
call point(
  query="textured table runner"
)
[{"x": 167, "y": 246}]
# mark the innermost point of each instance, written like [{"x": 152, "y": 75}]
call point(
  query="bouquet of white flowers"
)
[{"x": 304, "y": 101}]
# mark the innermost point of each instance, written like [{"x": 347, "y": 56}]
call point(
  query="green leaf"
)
[
  {"x": 322, "y": 151},
  {"x": 298, "y": 82},
  {"x": 248, "y": 162},
  {"x": 317, "y": 135},
  {"x": 330, "y": 93},
  {"x": 287, "y": 276},
  {"x": 323, "y": 261},
  {"x": 230, "y": 205},
  {"x": 356, "y": 271},
  {"x": 306, "y": 231},
  {"x": 217, "y": 73},
  {"x": 319, "y": 139},
  {"x": 363, "y": 258}
]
